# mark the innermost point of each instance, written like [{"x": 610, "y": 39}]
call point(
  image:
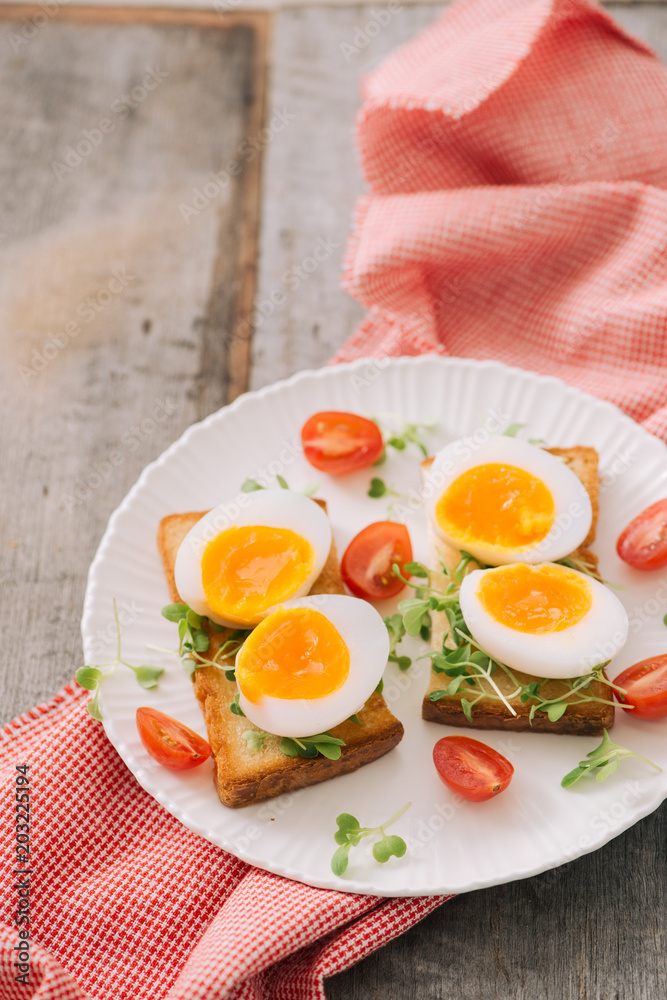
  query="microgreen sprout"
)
[
  {"x": 350, "y": 833},
  {"x": 513, "y": 429},
  {"x": 603, "y": 761},
  {"x": 194, "y": 639},
  {"x": 406, "y": 434},
  {"x": 323, "y": 744},
  {"x": 396, "y": 630},
  {"x": 252, "y": 485},
  {"x": 90, "y": 677}
]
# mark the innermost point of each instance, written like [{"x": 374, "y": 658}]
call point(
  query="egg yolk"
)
[
  {"x": 495, "y": 504},
  {"x": 294, "y": 653},
  {"x": 535, "y": 599},
  {"x": 247, "y": 569}
]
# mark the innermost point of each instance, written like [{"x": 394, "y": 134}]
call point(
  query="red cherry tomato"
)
[
  {"x": 366, "y": 565},
  {"x": 337, "y": 442},
  {"x": 169, "y": 742},
  {"x": 646, "y": 688},
  {"x": 470, "y": 768},
  {"x": 643, "y": 544}
]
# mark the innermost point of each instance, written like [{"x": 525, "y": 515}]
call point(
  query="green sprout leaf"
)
[
  {"x": 288, "y": 747},
  {"x": 250, "y": 485},
  {"x": 147, "y": 676},
  {"x": 389, "y": 847},
  {"x": 91, "y": 677},
  {"x": 94, "y": 707},
  {"x": 193, "y": 619},
  {"x": 554, "y": 712},
  {"x": 88, "y": 677},
  {"x": 174, "y": 612},
  {"x": 512, "y": 430},
  {"x": 414, "y": 611},
  {"x": 377, "y": 488},
  {"x": 235, "y": 708},
  {"x": 282, "y": 483},
  {"x": 254, "y": 739},
  {"x": 349, "y": 833},
  {"x": 416, "y": 569},
  {"x": 340, "y": 860},
  {"x": 603, "y": 761},
  {"x": 200, "y": 640}
]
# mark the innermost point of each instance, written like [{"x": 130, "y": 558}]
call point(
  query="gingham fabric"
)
[
  {"x": 516, "y": 155},
  {"x": 516, "y": 159},
  {"x": 127, "y": 904}
]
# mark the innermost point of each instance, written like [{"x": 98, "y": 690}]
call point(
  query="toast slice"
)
[
  {"x": 587, "y": 719},
  {"x": 244, "y": 776}
]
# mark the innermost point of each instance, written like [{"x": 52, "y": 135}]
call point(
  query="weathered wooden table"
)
[{"x": 156, "y": 182}]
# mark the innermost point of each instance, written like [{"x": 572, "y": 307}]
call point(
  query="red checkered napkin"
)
[
  {"x": 516, "y": 158},
  {"x": 127, "y": 904},
  {"x": 516, "y": 155}
]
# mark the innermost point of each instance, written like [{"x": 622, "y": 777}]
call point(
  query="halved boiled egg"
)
[
  {"x": 546, "y": 620},
  {"x": 311, "y": 664},
  {"x": 506, "y": 501},
  {"x": 238, "y": 562}
]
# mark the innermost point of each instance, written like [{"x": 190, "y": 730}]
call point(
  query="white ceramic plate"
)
[{"x": 454, "y": 846}]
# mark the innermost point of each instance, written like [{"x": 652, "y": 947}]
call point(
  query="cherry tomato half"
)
[
  {"x": 470, "y": 768},
  {"x": 643, "y": 544},
  {"x": 169, "y": 742},
  {"x": 646, "y": 688},
  {"x": 366, "y": 565},
  {"x": 338, "y": 442}
]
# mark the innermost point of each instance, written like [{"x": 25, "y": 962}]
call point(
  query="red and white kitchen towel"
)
[
  {"x": 516, "y": 159},
  {"x": 516, "y": 154}
]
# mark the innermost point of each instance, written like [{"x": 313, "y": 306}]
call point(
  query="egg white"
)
[
  {"x": 269, "y": 508},
  {"x": 573, "y": 652},
  {"x": 364, "y": 633},
  {"x": 572, "y": 505}
]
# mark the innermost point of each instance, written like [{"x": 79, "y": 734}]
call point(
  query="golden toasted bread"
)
[
  {"x": 242, "y": 775},
  {"x": 586, "y": 719}
]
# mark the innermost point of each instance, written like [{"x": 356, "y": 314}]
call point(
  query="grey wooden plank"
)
[
  {"x": 116, "y": 310},
  {"x": 594, "y": 929},
  {"x": 311, "y": 181}
]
